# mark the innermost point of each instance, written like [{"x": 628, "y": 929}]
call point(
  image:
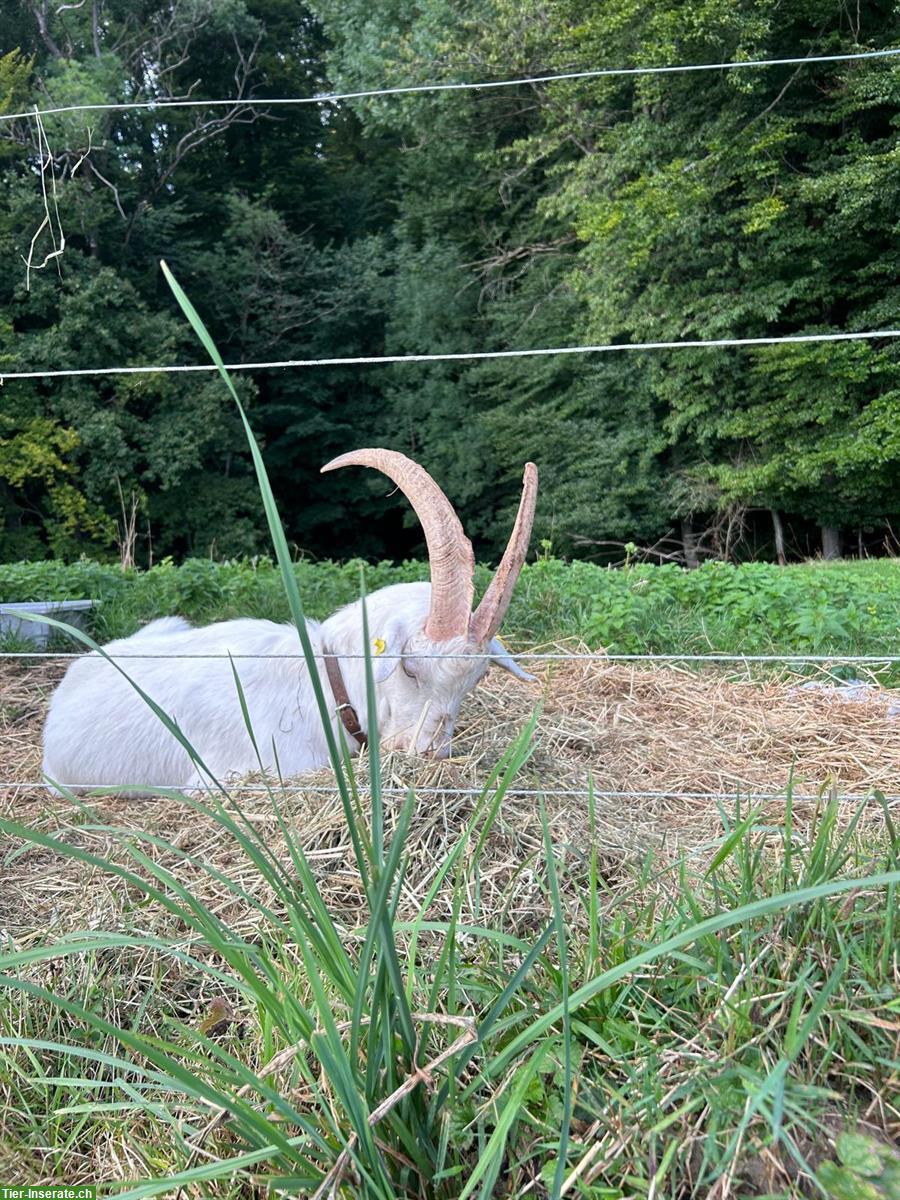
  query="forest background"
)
[{"x": 734, "y": 203}]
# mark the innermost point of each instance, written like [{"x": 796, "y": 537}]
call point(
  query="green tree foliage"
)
[
  {"x": 284, "y": 255},
  {"x": 735, "y": 203},
  {"x": 758, "y": 203},
  {"x": 727, "y": 204}
]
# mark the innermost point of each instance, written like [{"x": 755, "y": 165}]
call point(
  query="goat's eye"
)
[{"x": 407, "y": 670}]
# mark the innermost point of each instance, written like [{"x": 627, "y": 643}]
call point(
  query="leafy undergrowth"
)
[
  {"x": 723, "y": 1023},
  {"x": 756, "y": 608}
]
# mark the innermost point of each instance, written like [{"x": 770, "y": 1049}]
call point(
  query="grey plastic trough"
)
[{"x": 73, "y": 612}]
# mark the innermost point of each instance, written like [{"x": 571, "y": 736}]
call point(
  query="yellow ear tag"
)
[{"x": 380, "y": 646}]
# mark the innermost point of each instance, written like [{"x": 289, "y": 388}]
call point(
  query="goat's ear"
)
[
  {"x": 386, "y": 645},
  {"x": 502, "y": 658}
]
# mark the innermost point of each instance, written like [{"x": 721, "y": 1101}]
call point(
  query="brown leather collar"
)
[{"x": 349, "y": 719}]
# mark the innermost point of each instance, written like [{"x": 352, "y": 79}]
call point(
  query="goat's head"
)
[{"x": 423, "y": 635}]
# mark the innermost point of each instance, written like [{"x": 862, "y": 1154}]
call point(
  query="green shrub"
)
[{"x": 756, "y": 608}]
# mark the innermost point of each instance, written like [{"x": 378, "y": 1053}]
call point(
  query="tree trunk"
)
[
  {"x": 689, "y": 542},
  {"x": 831, "y": 542},
  {"x": 95, "y": 28},
  {"x": 779, "y": 537},
  {"x": 40, "y": 12}
]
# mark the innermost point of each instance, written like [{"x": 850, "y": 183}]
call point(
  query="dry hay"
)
[{"x": 630, "y": 728}]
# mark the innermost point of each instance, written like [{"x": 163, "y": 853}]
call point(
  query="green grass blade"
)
[
  {"x": 559, "y": 925},
  {"x": 493, "y": 1152},
  {"x": 712, "y": 925},
  {"x": 283, "y": 557}
]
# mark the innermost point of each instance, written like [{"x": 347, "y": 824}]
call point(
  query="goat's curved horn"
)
[
  {"x": 449, "y": 550},
  {"x": 488, "y": 617}
]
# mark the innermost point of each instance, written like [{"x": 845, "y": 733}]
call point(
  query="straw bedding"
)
[{"x": 628, "y": 728}]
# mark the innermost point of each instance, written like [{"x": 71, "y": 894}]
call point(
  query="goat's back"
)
[{"x": 101, "y": 731}]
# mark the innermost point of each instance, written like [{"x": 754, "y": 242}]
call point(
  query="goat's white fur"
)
[{"x": 100, "y": 731}]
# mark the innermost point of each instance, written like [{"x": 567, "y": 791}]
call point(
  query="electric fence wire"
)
[
  {"x": 580, "y": 793},
  {"x": 532, "y": 656},
  {"x": 462, "y": 86},
  {"x": 466, "y": 356}
]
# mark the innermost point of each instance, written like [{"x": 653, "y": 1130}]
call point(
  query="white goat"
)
[{"x": 100, "y": 731}]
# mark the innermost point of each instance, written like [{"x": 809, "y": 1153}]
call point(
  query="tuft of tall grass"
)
[
  {"x": 671, "y": 1030},
  {"x": 649, "y": 1043}
]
